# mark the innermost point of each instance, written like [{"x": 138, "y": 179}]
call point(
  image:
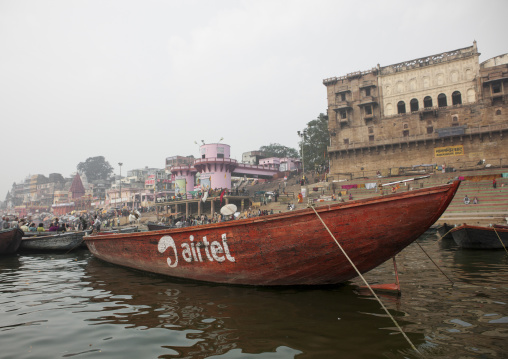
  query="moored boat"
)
[
  {"x": 10, "y": 240},
  {"x": 443, "y": 231},
  {"x": 291, "y": 248},
  {"x": 156, "y": 227},
  {"x": 60, "y": 242},
  {"x": 477, "y": 237}
]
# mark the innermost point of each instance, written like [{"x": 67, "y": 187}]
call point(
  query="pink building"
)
[
  {"x": 272, "y": 162},
  {"x": 215, "y": 168}
]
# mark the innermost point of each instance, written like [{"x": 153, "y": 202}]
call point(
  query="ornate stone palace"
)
[{"x": 446, "y": 109}]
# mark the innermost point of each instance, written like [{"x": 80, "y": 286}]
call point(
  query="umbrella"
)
[{"x": 228, "y": 209}]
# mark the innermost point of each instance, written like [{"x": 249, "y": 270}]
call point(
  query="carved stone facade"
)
[{"x": 441, "y": 109}]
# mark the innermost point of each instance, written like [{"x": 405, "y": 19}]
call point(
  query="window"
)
[
  {"x": 405, "y": 133},
  {"x": 371, "y": 129},
  {"x": 414, "y": 105},
  {"x": 455, "y": 120},
  {"x": 343, "y": 97},
  {"x": 406, "y": 126},
  {"x": 441, "y": 100},
  {"x": 427, "y": 101},
  {"x": 368, "y": 110},
  {"x": 496, "y": 87},
  {"x": 498, "y": 112},
  {"x": 371, "y": 138},
  {"x": 346, "y": 141},
  {"x": 343, "y": 114},
  {"x": 401, "y": 107},
  {"x": 456, "y": 98},
  {"x": 367, "y": 91},
  {"x": 430, "y": 130}
]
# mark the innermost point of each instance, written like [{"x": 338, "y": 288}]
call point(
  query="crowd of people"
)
[{"x": 28, "y": 226}]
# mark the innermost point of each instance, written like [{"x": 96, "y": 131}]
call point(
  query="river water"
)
[{"x": 74, "y": 305}]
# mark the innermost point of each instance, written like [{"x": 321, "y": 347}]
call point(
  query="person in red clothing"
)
[{"x": 494, "y": 183}]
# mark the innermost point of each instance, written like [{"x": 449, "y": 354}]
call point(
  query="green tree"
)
[
  {"x": 315, "y": 140},
  {"x": 277, "y": 150},
  {"x": 96, "y": 168}
]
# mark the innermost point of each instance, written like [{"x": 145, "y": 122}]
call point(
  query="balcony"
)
[
  {"x": 366, "y": 84},
  {"x": 368, "y": 100},
  {"x": 342, "y": 105}
]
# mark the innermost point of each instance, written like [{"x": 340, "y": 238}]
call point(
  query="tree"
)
[
  {"x": 280, "y": 151},
  {"x": 95, "y": 168},
  {"x": 315, "y": 141}
]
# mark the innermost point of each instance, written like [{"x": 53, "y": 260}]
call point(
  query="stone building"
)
[{"x": 445, "y": 109}]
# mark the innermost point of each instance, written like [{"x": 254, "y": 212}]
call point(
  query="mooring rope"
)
[
  {"x": 444, "y": 235},
  {"x": 367, "y": 284},
  {"x": 500, "y": 240},
  {"x": 434, "y": 262}
]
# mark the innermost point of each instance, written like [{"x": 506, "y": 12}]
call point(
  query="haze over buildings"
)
[{"x": 137, "y": 82}]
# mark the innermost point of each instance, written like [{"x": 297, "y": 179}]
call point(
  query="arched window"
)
[
  {"x": 427, "y": 101},
  {"x": 401, "y": 107},
  {"x": 414, "y": 105},
  {"x": 441, "y": 100},
  {"x": 456, "y": 98}
]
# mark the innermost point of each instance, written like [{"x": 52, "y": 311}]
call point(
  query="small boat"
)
[
  {"x": 477, "y": 237},
  {"x": 443, "y": 231},
  {"x": 120, "y": 230},
  {"x": 10, "y": 240},
  {"x": 290, "y": 248},
  {"x": 63, "y": 241},
  {"x": 156, "y": 227}
]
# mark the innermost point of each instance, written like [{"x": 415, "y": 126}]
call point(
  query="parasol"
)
[{"x": 228, "y": 209}]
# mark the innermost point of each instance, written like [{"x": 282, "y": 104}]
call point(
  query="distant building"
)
[
  {"x": 441, "y": 109},
  {"x": 178, "y": 161},
  {"x": 253, "y": 157}
]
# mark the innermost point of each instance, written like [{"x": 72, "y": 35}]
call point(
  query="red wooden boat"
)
[
  {"x": 477, "y": 237},
  {"x": 291, "y": 248},
  {"x": 10, "y": 240}
]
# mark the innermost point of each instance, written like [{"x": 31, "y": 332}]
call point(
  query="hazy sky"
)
[{"x": 139, "y": 81}]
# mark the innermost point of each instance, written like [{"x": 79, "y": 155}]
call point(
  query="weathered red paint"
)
[{"x": 291, "y": 248}]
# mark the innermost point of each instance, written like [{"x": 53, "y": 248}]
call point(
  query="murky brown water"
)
[{"x": 73, "y": 305}]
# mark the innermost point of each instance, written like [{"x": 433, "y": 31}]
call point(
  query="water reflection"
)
[{"x": 218, "y": 319}]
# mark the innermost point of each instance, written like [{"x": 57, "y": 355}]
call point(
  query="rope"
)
[
  {"x": 500, "y": 240},
  {"x": 434, "y": 262},
  {"x": 367, "y": 284},
  {"x": 444, "y": 235}
]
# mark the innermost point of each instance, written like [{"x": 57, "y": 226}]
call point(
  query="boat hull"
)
[
  {"x": 476, "y": 237},
  {"x": 291, "y": 248},
  {"x": 156, "y": 227},
  {"x": 52, "y": 243},
  {"x": 10, "y": 240}
]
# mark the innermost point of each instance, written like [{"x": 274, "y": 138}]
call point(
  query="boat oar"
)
[
  {"x": 500, "y": 240},
  {"x": 366, "y": 283},
  {"x": 76, "y": 246},
  {"x": 434, "y": 262}
]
